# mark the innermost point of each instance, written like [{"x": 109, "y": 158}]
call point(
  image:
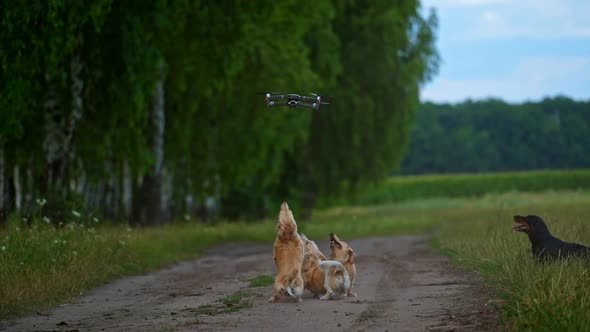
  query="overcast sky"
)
[{"x": 516, "y": 50}]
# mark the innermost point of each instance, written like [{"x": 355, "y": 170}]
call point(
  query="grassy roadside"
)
[
  {"x": 539, "y": 297},
  {"x": 41, "y": 267}
]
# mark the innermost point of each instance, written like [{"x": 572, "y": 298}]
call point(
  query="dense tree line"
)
[
  {"x": 147, "y": 110},
  {"x": 492, "y": 135}
]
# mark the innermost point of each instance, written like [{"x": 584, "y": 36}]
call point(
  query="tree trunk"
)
[
  {"x": 189, "y": 200},
  {"x": 148, "y": 205},
  {"x": 166, "y": 193},
  {"x": 76, "y": 90},
  {"x": 127, "y": 190},
  {"x": 54, "y": 137},
  {"x": 18, "y": 192},
  {"x": 3, "y": 200},
  {"x": 28, "y": 203},
  {"x": 58, "y": 133}
]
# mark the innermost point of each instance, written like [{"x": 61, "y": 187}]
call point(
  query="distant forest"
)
[{"x": 492, "y": 135}]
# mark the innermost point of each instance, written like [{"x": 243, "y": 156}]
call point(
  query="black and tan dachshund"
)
[{"x": 545, "y": 246}]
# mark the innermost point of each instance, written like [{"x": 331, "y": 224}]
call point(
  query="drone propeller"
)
[
  {"x": 271, "y": 92},
  {"x": 318, "y": 95}
]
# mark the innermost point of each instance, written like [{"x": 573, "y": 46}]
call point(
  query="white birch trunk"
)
[
  {"x": 189, "y": 199},
  {"x": 159, "y": 122},
  {"x": 58, "y": 133},
  {"x": 3, "y": 198},
  {"x": 127, "y": 189},
  {"x": 54, "y": 136},
  {"x": 76, "y": 90},
  {"x": 148, "y": 203},
  {"x": 82, "y": 179},
  {"x": 166, "y": 192},
  {"x": 18, "y": 192},
  {"x": 30, "y": 184}
]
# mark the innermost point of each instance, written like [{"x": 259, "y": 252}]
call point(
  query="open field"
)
[{"x": 41, "y": 267}]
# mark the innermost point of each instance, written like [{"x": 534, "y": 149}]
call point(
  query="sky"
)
[{"x": 516, "y": 50}]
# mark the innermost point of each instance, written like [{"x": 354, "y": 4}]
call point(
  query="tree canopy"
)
[{"x": 122, "y": 104}]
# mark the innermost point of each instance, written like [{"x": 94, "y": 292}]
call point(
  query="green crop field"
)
[{"x": 405, "y": 188}]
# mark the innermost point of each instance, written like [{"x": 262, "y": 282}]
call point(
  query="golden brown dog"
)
[
  {"x": 326, "y": 277},
  {"x": 343, "y": 253},
  {"x": 288, "y": 257}
]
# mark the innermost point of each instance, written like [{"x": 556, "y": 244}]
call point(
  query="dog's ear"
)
[
  {"x": 351, "y": 256},
  {"x": 303, "y": 237}
]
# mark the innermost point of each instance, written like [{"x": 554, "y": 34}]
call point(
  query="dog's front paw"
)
[
  {"x": 274, "y": 298},
  {"x": 351, "y": 294}
]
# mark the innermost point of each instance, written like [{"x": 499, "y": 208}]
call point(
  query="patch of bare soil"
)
[{"x": 402, "y": 285}]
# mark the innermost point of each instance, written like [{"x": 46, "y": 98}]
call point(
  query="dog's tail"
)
[
  {"x": 294, "y": 291},
  {"x": 295, "y": 286},
  {"x": 336, "y": 280}
]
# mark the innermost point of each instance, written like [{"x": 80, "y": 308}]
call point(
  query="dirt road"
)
[{"x": 402, "y": 285}]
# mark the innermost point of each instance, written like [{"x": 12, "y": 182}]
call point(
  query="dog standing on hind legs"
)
[
  {"x": 322, "y": 276},
  {"x": 288, "y": 257},
  {"x": 343, "y": 253}
]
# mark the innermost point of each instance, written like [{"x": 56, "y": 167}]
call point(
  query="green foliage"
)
[
  {"x": 262, "y": 280},
  {"x": 213, "y": 57},
  {"x": 491, "y": 135},
  {"x": 380, "y": 52},
  {"x": 406, "y": 188}
]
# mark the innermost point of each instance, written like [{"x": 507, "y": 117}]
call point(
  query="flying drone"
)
[{"x": 294, "y": 100}]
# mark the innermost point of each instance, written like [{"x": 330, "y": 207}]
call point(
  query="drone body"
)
[{"x": 294, "y": 100}]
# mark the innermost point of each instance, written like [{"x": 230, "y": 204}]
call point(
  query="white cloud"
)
[
  {"x": 531, "y": 19},
  {"x": 463, "y": 3},
  {"x": 544, "y": 25},
  {"x": 534, "y": 77},
  {"x": 490, "y": 17}
]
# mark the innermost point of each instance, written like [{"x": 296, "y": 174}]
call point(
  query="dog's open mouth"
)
[
  {"x": 523, "y": 225},
  {"x": 334, "y": 241}
]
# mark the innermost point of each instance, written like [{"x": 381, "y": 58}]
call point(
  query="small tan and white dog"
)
[
  {"x": 288, "y": 257},
  {"x": 326, "y": 277},
  {"x": 343, "y": 253}
]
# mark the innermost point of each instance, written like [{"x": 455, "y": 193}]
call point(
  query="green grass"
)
[
  {"x": 231, "y": 303},
  {"x": 41, "y": 266},
  {"x": 539, "y": 297},
  {"x": 262, "y": 280}
]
